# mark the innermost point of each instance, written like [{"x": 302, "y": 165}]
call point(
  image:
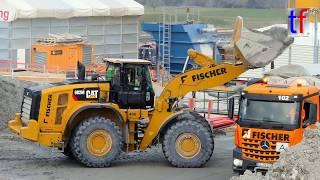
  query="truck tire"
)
[
  {"x": 96, "y": 142},
  {"x": 237, "y": 173},
  {"x": 188, "y": 144}
]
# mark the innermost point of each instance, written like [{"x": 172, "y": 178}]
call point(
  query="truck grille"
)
[
  {"x": 26, "y": 109},
  {"x": 251, "y": 150}
]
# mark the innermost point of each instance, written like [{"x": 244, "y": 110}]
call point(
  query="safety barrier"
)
[
  {"x": 40, "y": 72},
  {"x": 216, "y": 115}
]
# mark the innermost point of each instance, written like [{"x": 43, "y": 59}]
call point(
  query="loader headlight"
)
[{"x": 237, "y": 162}]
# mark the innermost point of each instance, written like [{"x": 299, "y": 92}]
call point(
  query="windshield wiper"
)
[
  {"x": 266, "y": 120},
  {"x": 269, "y": 120},
  {"x": 255, "y": 121},
  {"x": 276, "y": 125}
]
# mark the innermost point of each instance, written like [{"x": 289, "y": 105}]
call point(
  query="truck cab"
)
[{"x": 271, "y": 119}]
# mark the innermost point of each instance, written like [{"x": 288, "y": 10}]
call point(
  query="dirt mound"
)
[
  {"x": 288, "y": 71},
  {"x": 299, "y": 162},
  {"x": 11, "y": 94}
]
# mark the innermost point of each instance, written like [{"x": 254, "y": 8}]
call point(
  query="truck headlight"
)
[{"x": 237, "y": 162}]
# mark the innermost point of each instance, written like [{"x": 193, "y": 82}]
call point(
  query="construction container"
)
[
  {"x": 60, "y": 53},
  {"x": 174, "y": 40}
]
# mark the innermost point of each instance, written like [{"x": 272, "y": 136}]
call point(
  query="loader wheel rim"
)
[
  {"x": 188, "y": 145},
  {"x": 99, "y": 143}
]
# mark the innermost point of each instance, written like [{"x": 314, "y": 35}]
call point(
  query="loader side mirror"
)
[
  {"x": 231, "y": 108},
  {"x": 81, "y": 71},
  {"x": 94, "y": 76}
]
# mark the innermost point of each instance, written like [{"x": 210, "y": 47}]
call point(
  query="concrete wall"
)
[{"x": 111, "y": 36}]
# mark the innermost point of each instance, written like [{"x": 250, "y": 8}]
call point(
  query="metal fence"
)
[
  {"x": 35, "y": 71},
  {"x": 214, "y": 106}
]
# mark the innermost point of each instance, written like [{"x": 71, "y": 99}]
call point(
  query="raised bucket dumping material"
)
[{"x": 257, "y": 48}]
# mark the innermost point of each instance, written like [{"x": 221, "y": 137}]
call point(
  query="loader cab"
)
[{"x": 131, "y": 85}]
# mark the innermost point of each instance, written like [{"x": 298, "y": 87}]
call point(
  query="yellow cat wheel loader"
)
[{"x": 94, "y": 121}]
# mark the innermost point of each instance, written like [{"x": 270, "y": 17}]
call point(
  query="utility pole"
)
[
  {"x": 290, "y": 4},
  {"x": 315, "y": 13},
  {"x": 316, "y": 44}
]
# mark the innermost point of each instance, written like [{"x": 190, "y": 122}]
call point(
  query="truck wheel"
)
[
  {"x": 237, "y": 173},
  {"x": 188, "y": 144},
  {"x": 96, "y": 142}
]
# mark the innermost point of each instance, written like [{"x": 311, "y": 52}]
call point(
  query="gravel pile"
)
[
  {"x": 301, "y": 162},
  {"x": 11, "y": 94}
]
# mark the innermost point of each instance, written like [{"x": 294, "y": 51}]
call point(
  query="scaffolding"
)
[{"x": 167, "y": 19}]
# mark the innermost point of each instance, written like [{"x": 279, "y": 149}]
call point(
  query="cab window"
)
[
  {"x": 148, "y": 79},
  {"x": 309, "y": 112},
  {"x": 134, "y": 75},
  {"x": 113, "y": 73}
]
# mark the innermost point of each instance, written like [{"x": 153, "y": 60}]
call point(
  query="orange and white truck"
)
[{"x": 272, "y": 117}]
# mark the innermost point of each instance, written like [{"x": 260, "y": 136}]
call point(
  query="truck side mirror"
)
[
  {"x": 312, "y": 116},
  {"x": 305, "y": 124},
  {"x": 231, "y": 108}
]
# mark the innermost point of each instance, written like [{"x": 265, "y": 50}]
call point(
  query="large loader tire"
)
[
  {"x": 96, "y": 142},
  {"x": 188, "y": 144}
]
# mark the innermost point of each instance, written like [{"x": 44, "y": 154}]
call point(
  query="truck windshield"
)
[{"x": 283, "y": 113}]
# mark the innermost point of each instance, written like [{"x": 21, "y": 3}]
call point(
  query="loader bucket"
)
[{"x": 257, "y": 48}]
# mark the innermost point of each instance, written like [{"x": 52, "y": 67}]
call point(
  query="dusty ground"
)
[{"x": 20, "y": 159}]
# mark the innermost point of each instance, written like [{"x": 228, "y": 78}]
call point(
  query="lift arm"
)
[
  {"x": 193, "y": 80},
  {"x": 208, "y": 75}
]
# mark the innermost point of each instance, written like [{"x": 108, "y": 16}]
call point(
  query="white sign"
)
[
  {"x": 92, "y": 94},
  {"x": 284, "y": 98},
  {"x": 247, "y": 135},
  {"x": 281, "y": 146},
  {"x": 21, "y": 58},
  {"x": 264, "y": 165},
  {"x": 6, "y": 15}
]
